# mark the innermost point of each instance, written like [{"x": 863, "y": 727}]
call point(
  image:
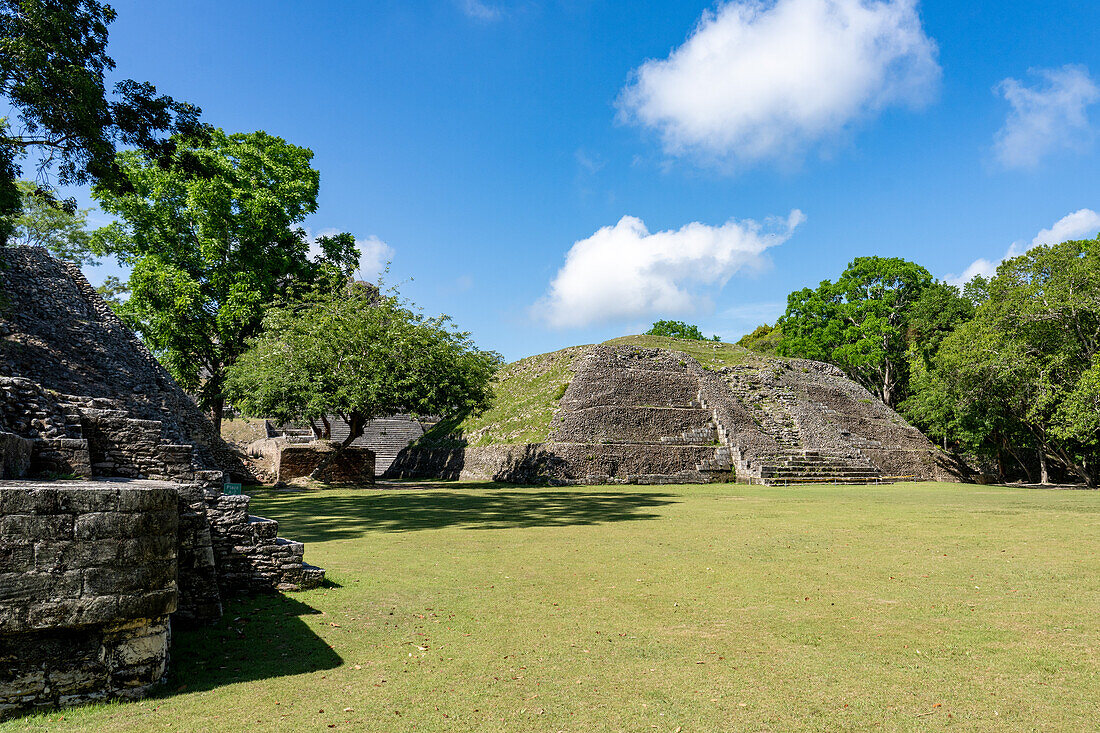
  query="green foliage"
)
[
  {"x": 859, "y": 323},
  {"x": 1023, "y": 372},
  {"x": 43, "y": 223},
  {"x": 112, "y": 291},
  {"x": 53, "y": 58},
  {"x": 359, "y": 355},
  {"x": 934, "y": 315},
  {"x": 764, "y": 339},
  {"x": 676, "y": 330},
  {"x": 213, "y": 241}
]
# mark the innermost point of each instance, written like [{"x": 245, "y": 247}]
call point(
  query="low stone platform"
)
[{"x": 87, "y": 582}]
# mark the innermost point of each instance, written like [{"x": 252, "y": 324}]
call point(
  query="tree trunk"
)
[
  {"x": 355, "y": 429},
  {"x": 1044, "y": 473},
  {"x": 315, "y": 429},
  {"x": 1023, "y": 464},
  {"x": 327, "y": 433},
  {"x": 217, "y": 408}
]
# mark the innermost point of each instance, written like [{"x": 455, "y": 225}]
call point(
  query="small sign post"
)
[{"x": 231, "y": 489}]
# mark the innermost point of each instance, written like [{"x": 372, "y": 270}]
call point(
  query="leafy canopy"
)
[
  {"x": 53, "y": 57},
  {"x": 359, "y": 355},
  {"x": 213, "y": 239},
  {"x": 41, "y": 223},
  {"x": 677, "y": 330},
  {"x": 858, "y": 323},
  {"x": 1026, "y": 370}
]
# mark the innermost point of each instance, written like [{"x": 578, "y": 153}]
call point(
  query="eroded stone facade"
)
[
  {"x": 87, "y": 583},
  {"x": 639, "y": 415},
  {"x": 81, "y": 397}
]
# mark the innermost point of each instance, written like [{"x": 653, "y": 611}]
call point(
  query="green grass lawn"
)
[{"x": 670, "y": 608}]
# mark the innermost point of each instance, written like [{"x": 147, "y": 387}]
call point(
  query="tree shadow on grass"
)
[
  {"x": 319, "y": 517},
  {"x": 258, "y": 637}
]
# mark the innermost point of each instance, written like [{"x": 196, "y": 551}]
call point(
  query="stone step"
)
[
  {"x": 312, "y": 576},
  {"x": 824, "y": 480},
  {"x": 262, "y": 527}
]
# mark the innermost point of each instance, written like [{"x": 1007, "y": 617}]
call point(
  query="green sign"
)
[{"x": 232, "y": 489}]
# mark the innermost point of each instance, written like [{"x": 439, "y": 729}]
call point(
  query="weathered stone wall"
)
[
  {"x": 57, "y": 332},
  {"x": 626, "y": 424},
  {"x": 93, "y": 401},
  {"x": 29, "y": 411},
  {"x": 603, "y": 384},
  {"x": 250, "y": 554},
  {"x": 554, "y": 463},
  {"x": 15, "y": 455},
  {"x": 87, "y": 581},
  {"x": 353, "y": 465}
]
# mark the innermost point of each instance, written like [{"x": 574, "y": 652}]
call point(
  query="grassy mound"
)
[{"x": 528, "y": 391}]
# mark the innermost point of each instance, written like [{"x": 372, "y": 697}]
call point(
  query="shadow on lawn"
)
[
  {"x": 258, "y": 637},
  {"x": 319, "y": 517}
]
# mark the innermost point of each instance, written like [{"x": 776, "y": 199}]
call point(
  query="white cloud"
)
[
  {"x": 624, "y": 271},
  {"x": 479, "y": 10},
  {"x": 1081, "y": 224},
  {"x": 1050, "y": 116},
  {"x": 374, "y": 254},
  {"x": 762, "y": 80}
]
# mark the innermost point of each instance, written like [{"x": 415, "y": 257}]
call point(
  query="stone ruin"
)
[
  {"x": 652, "y": 416},
  {"x": 292, "y": 450},
  {"x": 138, "y": 534}
]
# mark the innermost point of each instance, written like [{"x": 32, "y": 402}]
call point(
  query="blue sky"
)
[{"x": 758, "y": 149}]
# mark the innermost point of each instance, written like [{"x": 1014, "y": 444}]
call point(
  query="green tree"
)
[
  {"x": 212, "y": 240},
  {"x": 858, "y": 323},
  {"x": 359, "y": 355},
  {"x": 42, "y": 223},
  {"x": 935, "y": 314},
  {"x": 676, "y": 330},
  {"x": 763, "y": 339},
  {"x": 53, "y": 59},
  {"x": 1024, "y": 372},
  {"x": 112, "y": 291}
]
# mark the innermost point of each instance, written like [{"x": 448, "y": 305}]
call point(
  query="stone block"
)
[
  {"x": 147, "y": 500},
  {"x": 354, "y": 465},
  {"x": 148, "y": 604},
  {"x": 52, "y": 556},
  {"x": 147, "y": 646},
  {"x": 112, "y": 525},
  {"x": 73, "y": 613},
  {"x": 28, "y": 588},
  {"x": 125, "y": 580},
  {"x": 15, "y": 557},
  {"x": 35, "y": 526},
  {"x": 86, "y": 500}
]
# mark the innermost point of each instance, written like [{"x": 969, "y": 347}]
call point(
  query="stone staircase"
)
[
  {"x": 769, "y": 402},
  {"x": 250, "y": 553},
  {"x": 98, "y": 437},
  {"x": 810, "y": 466},
  {"x": 386, "y": 436}
]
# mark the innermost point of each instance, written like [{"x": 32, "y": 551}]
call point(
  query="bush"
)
[{"x": 677, "y": 330}]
